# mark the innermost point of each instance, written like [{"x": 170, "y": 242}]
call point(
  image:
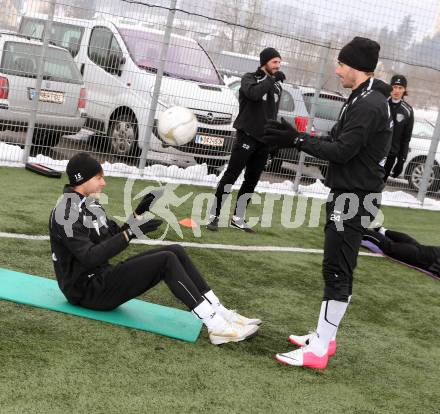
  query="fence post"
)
[
  {"x": 157, "y": 85},
  {"x": 429, "y": 163},
  {"x": 319, "y": 81},
  {"x": 39, "y": 80}
]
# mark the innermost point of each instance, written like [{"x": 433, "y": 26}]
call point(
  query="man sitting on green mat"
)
[{"x": 83, "y": 239}]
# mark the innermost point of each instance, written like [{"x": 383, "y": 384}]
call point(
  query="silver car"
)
[
  {"x": 62, "y": 99},
  {"x": 419, "y": 146}
]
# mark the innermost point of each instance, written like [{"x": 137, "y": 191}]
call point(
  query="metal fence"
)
[{"x": 94, "y": 75}]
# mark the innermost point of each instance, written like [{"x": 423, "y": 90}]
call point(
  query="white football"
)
[{"x": 177, "y": 125}]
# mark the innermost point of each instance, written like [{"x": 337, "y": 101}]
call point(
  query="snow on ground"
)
[{"x": 11, "y": 156}]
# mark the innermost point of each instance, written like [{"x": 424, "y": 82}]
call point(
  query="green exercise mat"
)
[{"x": 138, "y": 314}]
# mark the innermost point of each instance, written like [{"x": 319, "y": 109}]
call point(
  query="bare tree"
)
[{"x": 242, "y": 18}]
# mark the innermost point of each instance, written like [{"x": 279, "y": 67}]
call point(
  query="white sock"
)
[
  {"x": 207, "y": 314},
  {"x": 382, "y": 231},
  {"x": 330, "y": 315},
  {"x": 334, "y": 336},
  {"x": 216, "y": 304}
]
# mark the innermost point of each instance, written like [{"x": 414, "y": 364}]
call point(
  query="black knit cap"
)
[
  {"x": 81, "y": 168},
  {"x": 268, "y": 54},
  {"x": 360, "y": 53},
  {"x": 399, "y": 80}
]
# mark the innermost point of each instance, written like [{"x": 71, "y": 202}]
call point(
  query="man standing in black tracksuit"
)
[
  {"x": 83, "y": 239},
  {"x": 403, "y": 119},
  {"x": 259, "y": 98},
  {"x": 402, "y": 247},
  {"x": 356, "y": 150}
]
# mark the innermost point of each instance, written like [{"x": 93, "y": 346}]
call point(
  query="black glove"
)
[
  {"x": 279, "y": 76},
  {"x": 435, "y": 267},
  {"x": 398, "y": 168},
  {"x": 147, "y": 201},
  {"x": 135, "y": 227},
  {"x": 281, "y": 134}
]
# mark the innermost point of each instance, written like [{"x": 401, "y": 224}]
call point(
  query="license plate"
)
[
  {"x": 209, "y": 141},
  {"x": 47, "y": 96}
]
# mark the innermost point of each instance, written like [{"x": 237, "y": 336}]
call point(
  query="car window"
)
[
  {"x": 63, "y": 35},
  {"x": 327, "y": 106},
  {"x": 186, "y": 59},
  {"x": 115, "y": 54},
  {"x": 286, "y": 102},
  {"x": 104, "y": 49},
  {"x": 22, "y": 59}
]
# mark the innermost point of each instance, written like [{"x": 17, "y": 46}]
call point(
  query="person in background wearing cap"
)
[
  {"x": 403, "y": 118},
  {"x": 83, "y": 239},
  {"x": 259, "y": 98},
  {"x": 356, "y": 150}
]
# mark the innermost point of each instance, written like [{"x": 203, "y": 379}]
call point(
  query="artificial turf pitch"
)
[{"x": 387, "y": 358}]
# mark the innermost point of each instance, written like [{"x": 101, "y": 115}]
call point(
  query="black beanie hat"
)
[
  {"x": 399, "y": 80},
  {"x": 81, "y": 168},
  {"x": 361, "y": 54},
  {"x": 268, "y": 54}
]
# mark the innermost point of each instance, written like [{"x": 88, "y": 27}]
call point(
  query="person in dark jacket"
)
[
  {"x": 259, "y": 98},
  {"x": 83, "y": 239},
  {"x": 402, "y": 247},
  {"x": 356, "y": 150},
  {"x": 403, "y": 119}
]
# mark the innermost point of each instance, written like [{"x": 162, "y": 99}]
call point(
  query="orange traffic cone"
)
[{"x": 188, "y": 222}]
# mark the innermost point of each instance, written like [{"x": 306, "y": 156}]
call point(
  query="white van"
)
[{"x": 119, "y": 64}]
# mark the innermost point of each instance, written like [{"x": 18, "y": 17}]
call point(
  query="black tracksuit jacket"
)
[
  {"x": 259, "y": 100},
  {"x": 82, "y": 240},
  {"x": 359, "y": 142},
  {"x": 403, "y": 118}
]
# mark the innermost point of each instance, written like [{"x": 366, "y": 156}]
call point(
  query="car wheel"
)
[
  {"x": 323, "y": 168},
  {"x": 275, "y": 165},
  {"x": 123, "y": 135},
  {"x": 415, "y": 175},
  {"x": 46, "y": 138},
  {"x": 213, "y": 169}
]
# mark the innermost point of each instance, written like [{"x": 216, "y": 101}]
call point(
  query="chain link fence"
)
[{"x": 94, "y": 75}]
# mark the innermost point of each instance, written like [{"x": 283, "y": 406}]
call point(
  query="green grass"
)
[
  {"x": 387, "y": 359},
  {"x": 29, "y": 198}
]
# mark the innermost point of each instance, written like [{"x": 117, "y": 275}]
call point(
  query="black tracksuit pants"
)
[
  {"x": 401, "y": 246},
  {"x": 140, "y": 273},
  {"x": 389, "y": 164},
  {"x": 343, "y": 236},
  {"x": 247, "y": 153}
]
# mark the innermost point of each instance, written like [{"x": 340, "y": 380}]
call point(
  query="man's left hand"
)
[
  {"x": 147, "y": 201},
  {"x": 279, "y": 76},
  {"x": 280, "y": 134},
  {"x": 398, "y": 168},
  {"x": 435, "y": 267}
]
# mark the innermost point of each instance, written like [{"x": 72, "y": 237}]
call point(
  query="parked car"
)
[
  {"x": 327, "y": 110},
  {"x": 414, "y": 166},
  {"x": 61, "y": 108},
  {"x": 119, "y": 62}
]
